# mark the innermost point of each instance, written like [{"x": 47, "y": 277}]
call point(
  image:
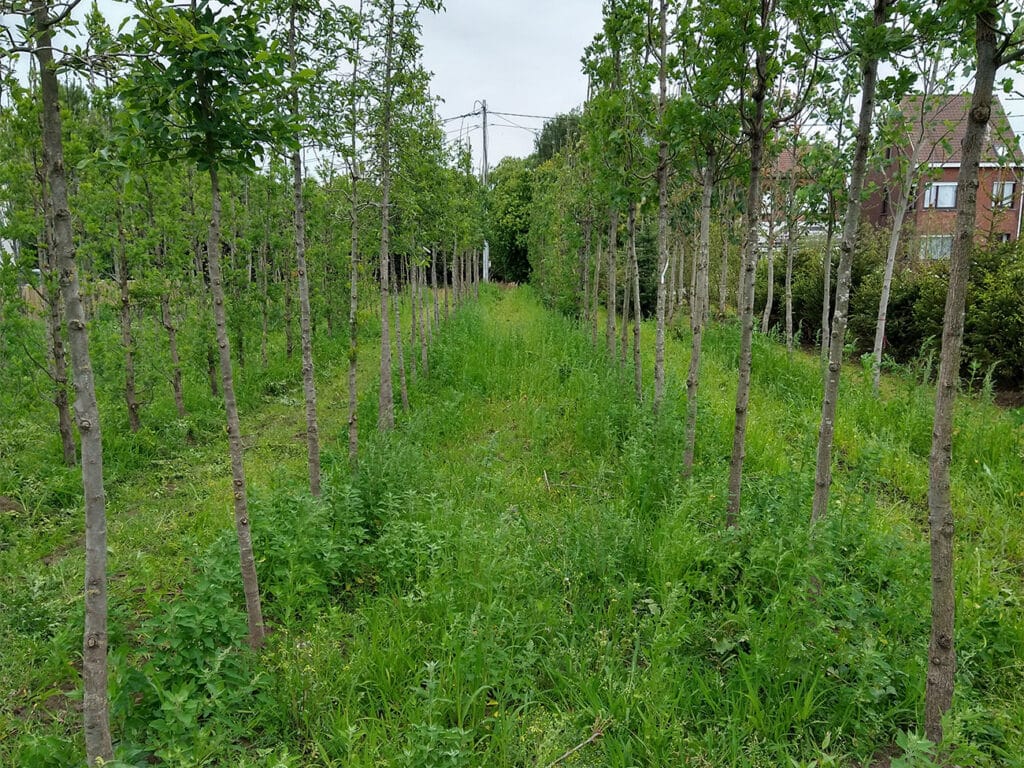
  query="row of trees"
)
[
  {"x": 168, "y": 176},
  {"x": 696, "y": 116}
]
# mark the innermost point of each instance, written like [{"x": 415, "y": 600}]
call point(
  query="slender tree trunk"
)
[
  {"x": 627, "y": 291},
  {"x": 723, "y": 270},
  {"x": 634, "y": 286},
  {"x": 456, "y": 275},
  {"x": 698, "y": 313},
  {"x": 424, "y": 320},
  {"x": 95, "y": 708},
  {"x": 131, "y": 398},
  {"x": 250, "y": 585},
  {"x": 265, "y": 290},
  {"x": 883, "y": 302},
  {"x": 447, "y": 282},
  {"x": 289, "y": 335},
  {"x": 769, "y": 300},
  {"x": 662, "y": 173},
  {"x": 399, "y": 347},
  {"x": 826, "y": 299},
  {"x": 411, "y": 276},
  {"x": 476, "y": 275},
  {"x": 755, "y": 130},
  {"x": 584, "y": 276},
  {"x": 610, "y": 321},
  {"x": 790, "y": 245},
  {"x": 167, "y": 321},
  {"x": 386, "y": 401},
  {"x": 941, "y": 649},
  {"x": 673, "y": 290},
  {"x": 595, "y": 302},
  {"x": 791, "y": 235},
  {"x": 48, "y": 273},
  {"x": 353, "y": 321},
  {"x": 823, "y": 469},
  {"x": 306, "y": 339},
  {"x": 433, "y": 285}
]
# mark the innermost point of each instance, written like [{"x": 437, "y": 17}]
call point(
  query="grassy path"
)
[{"x": 516, "y": 571}]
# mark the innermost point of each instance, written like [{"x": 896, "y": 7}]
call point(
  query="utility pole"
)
[{"x": 483, "y": 173}]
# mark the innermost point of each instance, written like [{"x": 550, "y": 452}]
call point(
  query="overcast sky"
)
[{"x": 522, "y": 56}]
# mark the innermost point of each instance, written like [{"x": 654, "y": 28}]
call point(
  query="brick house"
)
[{"x": 932, "y": 213}]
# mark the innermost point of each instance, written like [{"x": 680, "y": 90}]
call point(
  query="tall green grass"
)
[{"x": 518, "y": 564}]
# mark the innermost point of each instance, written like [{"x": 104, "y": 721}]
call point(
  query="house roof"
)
[{"x": 946, "y": 116}]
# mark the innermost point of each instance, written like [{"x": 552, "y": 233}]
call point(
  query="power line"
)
[{"x": 516, "y": 114}]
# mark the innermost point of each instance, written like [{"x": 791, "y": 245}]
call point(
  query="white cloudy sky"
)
[{"x": 522, "y": 56}]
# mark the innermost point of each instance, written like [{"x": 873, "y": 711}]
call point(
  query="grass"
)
[{"x": 518, "y": 564}]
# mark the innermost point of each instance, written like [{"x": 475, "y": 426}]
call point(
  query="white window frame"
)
[
  {"x": 1004, "y": 194},
  {"x": 936, "y": 247},
  {"x": 940, "y": 195}
]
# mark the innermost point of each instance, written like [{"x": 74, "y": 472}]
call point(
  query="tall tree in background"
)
[
  {"x": 297, "y": 13},
  {"x": 713, "y": 132},
  {"x": 998, "y": 42},
  {"x": 909, "y": 133},
  {"x": 391, "y": 73},
  {"x": 661, "y": 174},
  {"x": 200, "y": 92},
  {"x": 871, "y": 44},
  {"x": 41, "y": 21},
  {"x": 784, "y": 51}
]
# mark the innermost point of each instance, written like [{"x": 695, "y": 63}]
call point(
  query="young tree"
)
[
  {"x": 41, "y": 20},
  {"x": 998, "y": 42},
  {"x": 784, "y": 50},
  {"x": 871, "y": 44},
  {"x": 200, "y": 92},
  {"x": 910, "y": 136}
]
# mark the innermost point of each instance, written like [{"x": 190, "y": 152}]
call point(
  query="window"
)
[
  {"x": 941, "y": 194},
  {"x": 936, "y": 246},
  {"x": 1004, "y": 237},
  {"x": 1002, "y": 194}
]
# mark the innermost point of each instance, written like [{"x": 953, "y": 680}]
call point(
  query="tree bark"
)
[
  {"x": 353, "y": 318},
  {"x": 769, "y": 299},
  {"x": 790, "y": 245},
  {"x": 755, "y": 130},
  {"x": 941, "y": 648},
  {"x": 306, "y": 339},
  {"x": 610, "y": 320},
  {"x": 250, "y": 585},
  {"x": 662, "y": 173},
  {"x": 424, "y": 319},
  {"x": 167, "y": 321},
  {"x": 584, "y": 277},
  {"x": 723, "y": 270},
  {"x": 433, "y": 285},
  {"x": 826, "y": 431},
  {"x": 95, "y": 707},
  {"x": 627, "y": 290},
  {"x": 411, "y": 279},
  {"x": 826, "y": 299},
  {"x": 698, "y": 313},
  {"x": 265, "y": 290},
  {"x": 131, "y": 398},
  {"x": 595, "y": 301},
  {"x": 48, "y": 272},
  {"x": 883, "y": 300},
  {"x": 395, "y": 303},
  {"x": 386, "y": 400},
  {"x": 446, "y": 268}
]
